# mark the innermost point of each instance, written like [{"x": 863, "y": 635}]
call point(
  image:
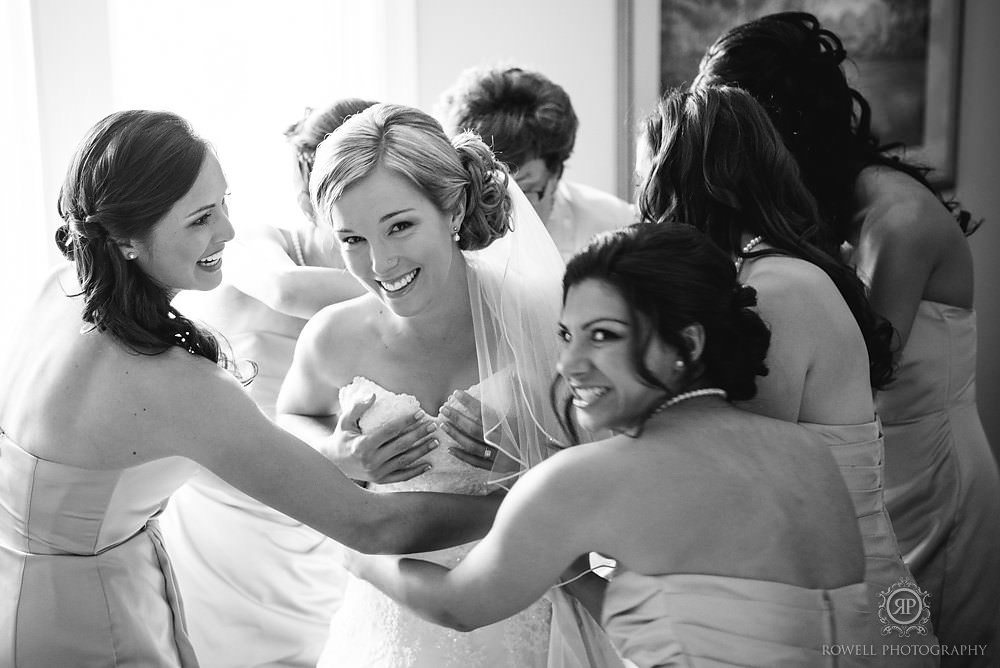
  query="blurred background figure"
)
[
  {"x": 909, "y": 245},
  {"x": 259, "y": 588},
  {"x": 530, "y": 123}
]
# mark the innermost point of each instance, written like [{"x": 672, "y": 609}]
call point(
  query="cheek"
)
[{"x": 355, "y": 260}]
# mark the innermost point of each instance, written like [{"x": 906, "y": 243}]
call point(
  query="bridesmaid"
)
[
  {"x": 112, "y": 399},
  {"x": 734, "y": 533},
  {"x": 942, "y": 488},
  {"x": 750, "y": 201}
]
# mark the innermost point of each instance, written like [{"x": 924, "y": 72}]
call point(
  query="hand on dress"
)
[
  {"x": 390, "y": 453},
  {"x": 462, "y": 420}
]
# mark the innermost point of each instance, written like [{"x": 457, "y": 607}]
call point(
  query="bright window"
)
[{"x": 240, "y": 70}]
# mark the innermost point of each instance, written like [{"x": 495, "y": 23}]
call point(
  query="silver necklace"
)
[
  {"x": 753, "y": 243},
  {"x": 684, "y": 396}
]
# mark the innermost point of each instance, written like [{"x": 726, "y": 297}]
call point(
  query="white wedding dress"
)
[{"x": 371, "y": 630}]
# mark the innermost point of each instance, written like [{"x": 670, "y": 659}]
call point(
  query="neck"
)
[{"x": 448, "y": 318}]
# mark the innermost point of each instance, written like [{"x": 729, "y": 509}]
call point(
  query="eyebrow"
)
[
  {"x": 591, "y": 323},
  {"x": 347, "y": 230},
  {"x": 201, "y": 210},
  {"x": 208, "y": 207},
  {"x": 394, "y": 213}
]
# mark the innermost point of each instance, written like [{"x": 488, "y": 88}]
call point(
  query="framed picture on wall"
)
[{"x": 903, "y": 56}]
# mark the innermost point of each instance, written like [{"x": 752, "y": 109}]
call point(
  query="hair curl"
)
[
  {"x": 521, "y": 113},
  {"x": 671, "y": 276},
  {"x": 306, "y": 134},
  {"x": 794, "y": 68},
  {"x": 457, "y": 174},
  {"x": 717, "y": 163},
  {"x": 125, "y": 176}
]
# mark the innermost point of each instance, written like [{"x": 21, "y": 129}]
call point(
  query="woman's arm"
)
[
  {"x": 197, "y": 410},
  {"x": 539, "y": 530},
  {"x": 258, "y": 264}
]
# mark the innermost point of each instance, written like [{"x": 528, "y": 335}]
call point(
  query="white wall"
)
[
  {"x": 571, "y": 42},
  {"x": 978, "y": 188}
]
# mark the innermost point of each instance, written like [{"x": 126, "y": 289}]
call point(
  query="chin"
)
[{"x": 590, "y": 422}]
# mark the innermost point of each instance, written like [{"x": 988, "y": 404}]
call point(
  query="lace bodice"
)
[{"x": 449, "y": 473}]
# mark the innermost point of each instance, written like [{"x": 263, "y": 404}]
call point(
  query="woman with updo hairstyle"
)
[
  {"x": 272, "y": 610},
  {"x": 463, "y": 289},
  {"x": 112, "y": 399},
  {"x": 711, "y": 158},
  {"x": 909, "y": 245},
  {"x": 734, "y": 534}
]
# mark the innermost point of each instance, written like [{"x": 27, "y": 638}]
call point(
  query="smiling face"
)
[
  {"x": 183, "y": 251},
  {"x": 596, "y": 359},
  {"x": 397, "y": 243}
]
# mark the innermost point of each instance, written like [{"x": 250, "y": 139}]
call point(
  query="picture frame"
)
[{"x": 903, "y": 56}]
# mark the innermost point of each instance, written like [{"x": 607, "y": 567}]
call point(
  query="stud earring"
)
[
  {"x": 454, "y": 234},
  {"x": 130, "y": 255},
  {"x": 679, "y": 364}
]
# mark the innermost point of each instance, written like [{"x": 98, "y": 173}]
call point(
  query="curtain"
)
[{"x": 24, "y": 256}]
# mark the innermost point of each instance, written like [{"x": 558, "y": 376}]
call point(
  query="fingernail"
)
[
  {"x": 434, "y": 443},
  {"x": 431, "y": 428},
  {"x": 420, "y": 415},
  {"x": 427, "y": 468}
]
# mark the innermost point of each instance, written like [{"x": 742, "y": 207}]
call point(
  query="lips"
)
[
  {"x": 399, "y": 283},
  {"x": 211, "y": 260},
  {"x": 585, "y": 396}
]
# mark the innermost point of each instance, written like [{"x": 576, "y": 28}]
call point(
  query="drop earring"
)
[{"x": 454, "y": 234}]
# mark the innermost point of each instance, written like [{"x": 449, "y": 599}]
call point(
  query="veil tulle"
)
[{"x": 515, "y": 288}]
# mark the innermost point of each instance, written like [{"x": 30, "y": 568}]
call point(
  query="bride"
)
[{"x": 463, "y": 298}]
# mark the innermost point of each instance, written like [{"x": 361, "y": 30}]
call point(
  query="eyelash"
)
[
  {"x": 596, "y": 336},
  {"x": 203, "y": 220},
  {"x": 400, "y": 226}
]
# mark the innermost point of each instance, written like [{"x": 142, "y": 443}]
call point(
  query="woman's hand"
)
[
  {"x": 462, "y": 415},
  {"x": 390, "y": 453}
]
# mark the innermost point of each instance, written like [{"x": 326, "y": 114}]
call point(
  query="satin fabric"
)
[
  {"x": 942, "y": 487},
  {"x": 86, "y": 580},
  {"x": 708, "y": 621},
  {"x": 860, "y": 455}
]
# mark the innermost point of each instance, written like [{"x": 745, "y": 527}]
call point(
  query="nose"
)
[
  {"x": 573, "y": 360},
  {"x": 383, "y": 260},
  {"x": 224, "y": 230}
]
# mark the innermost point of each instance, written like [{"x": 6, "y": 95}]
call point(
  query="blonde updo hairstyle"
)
[{"x": 451, "y": 173}]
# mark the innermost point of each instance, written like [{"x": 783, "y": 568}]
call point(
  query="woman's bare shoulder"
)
[{"x": 348, "y": 322}]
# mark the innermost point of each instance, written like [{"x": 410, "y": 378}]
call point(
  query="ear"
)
[
  {"x": 694, "y": 339},
  {"x": 458, "y": 217},
  {"x": 128, "y": 249}
]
